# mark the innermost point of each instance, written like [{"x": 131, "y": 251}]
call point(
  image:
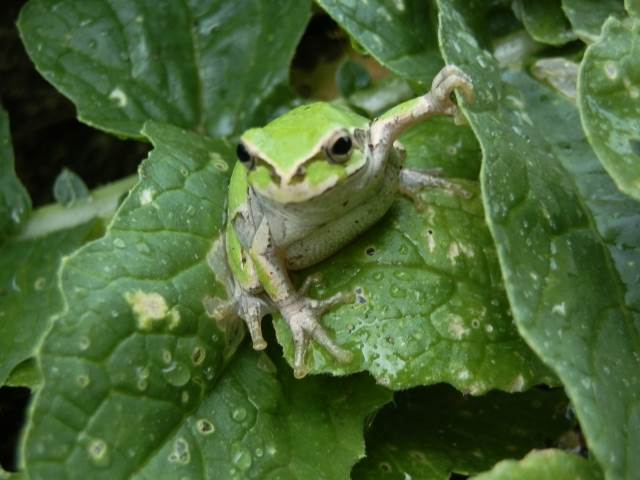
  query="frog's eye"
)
[
  {"x": 245, "y": 157},
  {"x": 340, "y": 148}
]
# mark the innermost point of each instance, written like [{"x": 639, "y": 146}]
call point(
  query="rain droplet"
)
[
  {"x": 177, "y": 374},
  {"x": 242, "y": 458},
  {"x": 119, "y": 243},
  {"x": 84, "y": 343},
  {"x": 83, "y": 381},
  {"x": 40, "y": 283},
  {"x": 239, "y": 414},
  {"x": 209, "y": 373}
]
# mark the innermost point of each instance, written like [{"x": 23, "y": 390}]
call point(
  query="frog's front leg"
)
[
  {"x": 437, "y": 101},
  {"x": 301, "y": 313}
]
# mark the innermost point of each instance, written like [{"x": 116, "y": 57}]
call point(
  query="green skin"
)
[{"x": 300, "y": 195}]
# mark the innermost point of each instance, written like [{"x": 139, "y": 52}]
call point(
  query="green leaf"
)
[
  {"x": 351, "y": 76},
  {"x": 384, "y": 28},
  {"x": 567, "y": 241},
  {"x": 609, "y": 90},
  {"x": 26, "y": 374},
  {"x": 430, "y": 305},
  {"x": 183, "y": 63},
  {"x": 260, "y": 422},
  {"x": 432, "y": 432},
  {"x": 134, "y": 338},
  {"x": 68, "y": 188},
  {"x": 545, "y": 21},
  {"x": 559, "y": 73},
  {"x": 632, "y": 7},
  {"x": 15, "y": 203},
  {"x": 544, "y": 465},
  {"x": 587, "y": 16},
  {"x": 443, "y": 145},
  {"x": 29, "y": 293}
]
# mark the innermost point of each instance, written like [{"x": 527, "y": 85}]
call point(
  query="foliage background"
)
[{"x": 533, "y": 281}]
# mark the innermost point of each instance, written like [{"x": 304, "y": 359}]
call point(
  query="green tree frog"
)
[{"x": 305, "y": 185}]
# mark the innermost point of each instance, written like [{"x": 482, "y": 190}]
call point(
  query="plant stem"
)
[{"x": 102, "y": 203}]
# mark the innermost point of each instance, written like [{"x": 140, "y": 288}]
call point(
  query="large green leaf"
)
[
  {"x": 135, "y": 383},
  {"x": 15, "y": 203},
  {"x": 133, "y": 340},
  {"x": 207, "y": 66},
  {"x": 544, "y": 465},
  {"x": 609, "y": 95},
  {"x": 587, "y": 16},
  {"x": 545, "y": 21},
  {"x": 430, "y": 433},
  {"x": 567, "y": 241},
  {"x": 430, "y": 304},
  {"x": 29, "y": 293},
  {"x": 260, "y": 422},
  {"x": 384, "y": 28}
]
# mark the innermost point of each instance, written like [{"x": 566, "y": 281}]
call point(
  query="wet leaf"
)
[
  {"x": 610, "y": 101},
  {"x": 386, "y": 28},
  {"x": 29, "y": 293},
  {"x": 587, "y": 16},
  {"x": 545, "y": 21},
  {"x": 567, "y": 242},
  {"x": 182, "y": 63},
  {"x": 260, "y": 422},
  {"x": 544, "y": 464},
  {"x": 15, "y": 203},
  {"x": 69, "y": 188}
]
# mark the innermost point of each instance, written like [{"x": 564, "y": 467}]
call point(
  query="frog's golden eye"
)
[
  {"x": 339, "y": 148},
  {"x": 245, "y": 157}
]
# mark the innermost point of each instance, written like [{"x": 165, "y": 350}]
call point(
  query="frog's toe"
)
[
  {"x": 340, "y": 298},
  {"x": 320, "y": 335},
  {"x": 255, "y": 330},
  {"x": 449, "y": 79}
]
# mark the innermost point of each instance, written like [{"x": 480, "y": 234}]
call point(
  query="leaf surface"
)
[
  {"x": 545, "y": 21},
  {"x": 567, "y": 259},
  {"x": 544, "y": 464},
  {"x": 587, "y": 16},
  {"x": 401, "y": 35},
  {"x": 30, "y": 295},
  {"x": 15, "y": 203},
  {"x": 609, "y": 96},
  {"x": 193, "y": 64}
]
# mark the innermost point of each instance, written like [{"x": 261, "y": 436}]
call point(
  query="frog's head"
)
[{"x": 304, "y": 153}]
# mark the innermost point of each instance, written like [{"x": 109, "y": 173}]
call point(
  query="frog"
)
[{"x": 304, "y": 186}]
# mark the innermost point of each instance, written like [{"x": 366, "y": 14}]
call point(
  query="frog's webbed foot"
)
[
  {"x": 413, "y": 181},
  {"x": 303, "y": 314},
  {"x": 251, "y": 308},
  {"x": 451, "y": 78}
]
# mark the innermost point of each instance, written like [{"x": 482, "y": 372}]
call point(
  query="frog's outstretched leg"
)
[
  {"x": 301, "y": 313},
  {"x": 389, "y": 126}
]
